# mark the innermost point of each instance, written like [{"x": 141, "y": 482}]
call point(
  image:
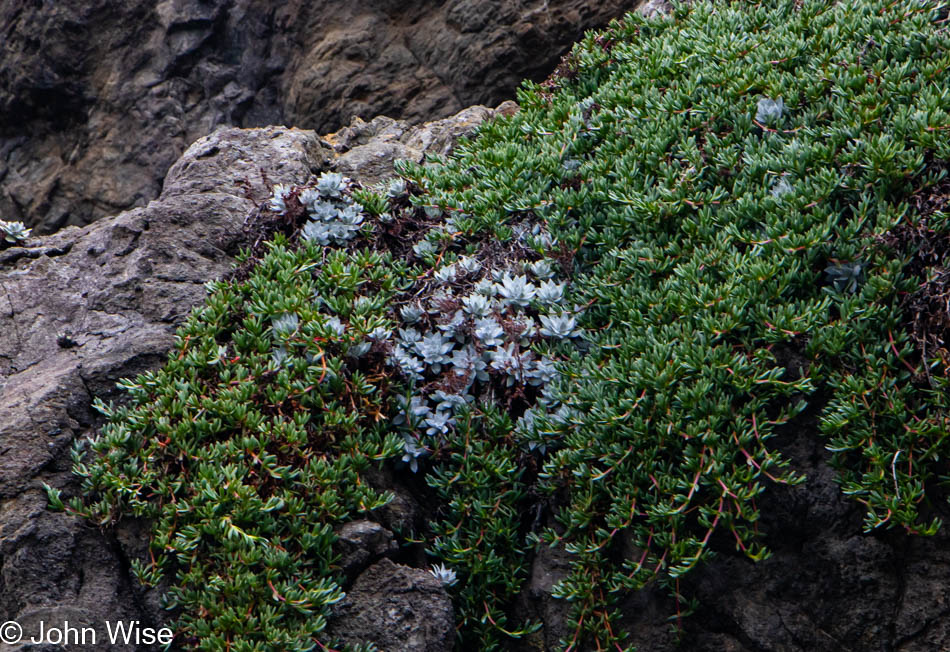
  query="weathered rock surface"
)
[
  {"x": 397, "y": 608},
  {"x": 367, "y": 149},
  {"x": 85, "y": 307},
  {"x": 99, "y": 97},
  {"x": 360, "y": 542},
  {"x": 827, "y": 586}
]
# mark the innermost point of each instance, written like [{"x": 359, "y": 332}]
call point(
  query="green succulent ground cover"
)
[{"x": 742, "y": 204}]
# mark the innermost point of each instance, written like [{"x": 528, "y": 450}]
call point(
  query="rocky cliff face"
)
[{"x": 99, "y": 97}]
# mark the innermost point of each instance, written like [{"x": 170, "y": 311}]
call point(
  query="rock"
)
[
  {"x": 652, "y": 8},
  {"x": 360, "y": 542},
  {"x": 396, "y": 608},
  {"x": 550, "y": 566},
  {"x": 89, "y": 126},
  {"x": 368, "y": 149}
]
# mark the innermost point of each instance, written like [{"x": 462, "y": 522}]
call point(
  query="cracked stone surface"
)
[{"x": 98, "y": 98}]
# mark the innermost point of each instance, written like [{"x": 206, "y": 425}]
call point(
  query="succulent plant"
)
[
  {"x": 439, "y": 423},
  {"x": 444, "y": 574},
  {"x": 359, "y": 350},
  {"x": 332, "y": 222},
  {"x": 396, "y": 188},
  {"x": 285, "y": 324},
  {"x": 544, "y": 241},
  {"x": 485, "y": 287},
  {"x": 446, "y": 402},
  {"x": 468, "y": 361},
  {"x": 560, "y": 326},
  {"x": 782, "y": 187},
  {"x": 279, "y": 357},
  {"x": 432, "y": 212},
  {"x": 411, "y": 313},
  {"x": 549, "y": 292},
  {"x": 412, "y": 411},
  {"x": 451, "y": 325},
  {"x": 310, "y": 196},
  {"x": 423, "y": 248},
  {"x": 515, "y": 290},
  {"x": 542, "y": 269},
  {"x": 528, "y": 328},
  {"x": 434, "y": 349},
  {"x": 846, "y": 277},
  {"x": 477, "y": 305},
  {"x": 769, "y": 111},
  {"x": 410, "y": 365},
  {"x": 469, "y": 265},
  {"x": 351, "y": 215},
  {"x": 571, "y": 164},
  {"x": 536, "y": 237},
  {"x": 408, "y": 337},
  {"x": 14, "y": 232},
  {"x": 489, "y": 332},
  {"x": 331, "y": 185},
  {"x": 280, "y": 194},
  {"x": 542, "y": 372},
  {"x": 512, "y": 363},
  {"x": 446, "y": 274},
  {"x": 323, "y": 211},
  {"x": 379, "y": 334},
  {"x": 319, "y": 232},
  {"x": 413, "y": 453},
  {"x": 335, "y": 325},
  {"x": 537, "y": 439}
]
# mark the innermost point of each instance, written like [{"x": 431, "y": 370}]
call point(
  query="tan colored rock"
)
[{"x": 367, "y": 150}]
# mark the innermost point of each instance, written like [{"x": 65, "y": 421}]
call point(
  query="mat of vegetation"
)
[{"x": 607, "y": 304}]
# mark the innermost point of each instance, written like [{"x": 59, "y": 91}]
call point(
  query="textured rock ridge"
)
[{"x": 99, "y": 97}]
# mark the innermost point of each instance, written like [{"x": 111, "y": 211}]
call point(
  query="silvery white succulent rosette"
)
[{"x": 468, "y": 333}]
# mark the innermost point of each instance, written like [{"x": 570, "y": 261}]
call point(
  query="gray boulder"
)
[{"x": 396, "y": 608}]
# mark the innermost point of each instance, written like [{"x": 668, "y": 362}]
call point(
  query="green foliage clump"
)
[
  {"x": 250, "y": 444},
  {"x": 702, "y": 172},
  {"x": 685, "y": 239}
]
